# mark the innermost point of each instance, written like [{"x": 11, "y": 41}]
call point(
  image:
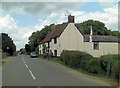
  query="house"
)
[{"x": 68, "y": 37}]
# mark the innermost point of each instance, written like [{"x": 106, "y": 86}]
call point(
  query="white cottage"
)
[{"x": 68, "y": 37}]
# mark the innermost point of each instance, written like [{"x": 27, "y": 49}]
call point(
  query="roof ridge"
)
[
  {"x": 54, "y": 32},
  {"x": 103, "y": 35}
]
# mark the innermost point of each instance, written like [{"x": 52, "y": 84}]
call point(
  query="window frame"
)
[{"x": 95, "y": 45}]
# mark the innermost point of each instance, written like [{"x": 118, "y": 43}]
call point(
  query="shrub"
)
[
  {"x": 44, "y": 48},
  {"x": 93, "y": 66},
  {"x": 85, "y": 57},
  {"x": 75, "y": 58},
  {"x": 50, "y": 54},
  {"x": 37, "y": 50},
  {"x": 40, "y": 55},
  {"x": 15, "y": 53},
  {"x": 106, "y": 62},
  {"x": 115, "y": 70},
  {"x": 64, "y": 57}
]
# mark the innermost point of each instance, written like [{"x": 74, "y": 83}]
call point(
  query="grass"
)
[
  {"x": 1, "y": 59},
  {"x": 4, "y": 57}
]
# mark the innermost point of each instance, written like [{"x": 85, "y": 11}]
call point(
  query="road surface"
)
[{"x": 22, "y": 70}]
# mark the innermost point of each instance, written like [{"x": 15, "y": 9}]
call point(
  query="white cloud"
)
[
  {"x": 19, "y": 35},
  {"x": 109, "y": 17},
  {"x": 38, "y": 8},
  {"x": 54, "y": 17}
]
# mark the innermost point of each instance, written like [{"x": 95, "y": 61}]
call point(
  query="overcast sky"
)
[{"x": 20, "y": 19}]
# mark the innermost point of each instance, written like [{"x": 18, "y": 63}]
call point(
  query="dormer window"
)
[{"x": 55, "y": 40}]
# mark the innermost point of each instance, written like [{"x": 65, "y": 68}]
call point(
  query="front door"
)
[{"x": 55, "y": 53}]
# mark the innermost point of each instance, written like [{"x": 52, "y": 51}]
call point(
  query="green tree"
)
[
  {"x": 97, "y": 27},
  {"x": 8, "y": 44},
  {"x": 38, "y": 36},
  {"x": 37, "y": 50},
  {"x": 27, "y": 48},
  {"x": 44, "y": 48},
  {"x": 22, "y": 51}
]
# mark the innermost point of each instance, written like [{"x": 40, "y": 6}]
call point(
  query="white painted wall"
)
[{"x": 70, "y": 39}]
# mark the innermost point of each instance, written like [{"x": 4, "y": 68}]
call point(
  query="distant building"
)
[{"x": 68, "y": 37}]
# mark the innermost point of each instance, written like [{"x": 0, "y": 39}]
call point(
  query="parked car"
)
[{"x": 33, "y": 54}]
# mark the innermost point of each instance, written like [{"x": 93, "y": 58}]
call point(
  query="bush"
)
[
  {"x": 15, "y": 53},
  {"x": 93, "y": 66},
  {"x": 64, "y": 57},
  {"x": 85, "y": 57},
  {"x": 75, "y": 58},
  {"x": 37, "y": 50},
  {"x": 115, "y": 70},
  {"x": 106, "y": 63}
]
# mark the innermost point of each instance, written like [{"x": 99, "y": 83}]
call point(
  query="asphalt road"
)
[{"x": 25, "y": 71}]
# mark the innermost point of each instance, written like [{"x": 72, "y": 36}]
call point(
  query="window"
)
[
  {"x": 48, "y": 44},
  {"x": 96, "y": 45},
  {"x": 55, "y": 53},
  {"x": 47, "y": 49},
  {"x": 55, "y": 40}
]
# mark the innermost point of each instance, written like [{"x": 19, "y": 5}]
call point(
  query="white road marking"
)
[
  {"x": 23, "y": 59},
  {"x": 26, "y": 65},
  {"x": 32, "y": 75},
  {"x": 34, "y": 58}
]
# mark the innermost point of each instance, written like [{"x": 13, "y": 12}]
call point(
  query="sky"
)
[{"x": 20, "y": 19}]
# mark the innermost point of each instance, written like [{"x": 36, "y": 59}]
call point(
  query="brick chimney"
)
[
  {"x": 70, "y": 19},
  {"x": 53, "y": 26}
]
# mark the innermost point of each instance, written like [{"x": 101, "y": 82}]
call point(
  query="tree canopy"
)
[
  {"x": 8, "y": 44},
  {"x": 27, "y": 48},
  {"x": 38, "y": 36},
  {"x": 97, "y": 27}
]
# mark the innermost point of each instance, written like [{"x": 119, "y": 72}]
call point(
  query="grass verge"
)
[{"x": 4, "y": 57}]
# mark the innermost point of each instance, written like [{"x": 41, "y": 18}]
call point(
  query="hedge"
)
[
  {"x": 103, "y": 65},
  {"x": 75, "y": 59},
  {"x": 106, "y": 63},
  {"x": 115, "y": 69},
  {"x": 94, "y": 66}
]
